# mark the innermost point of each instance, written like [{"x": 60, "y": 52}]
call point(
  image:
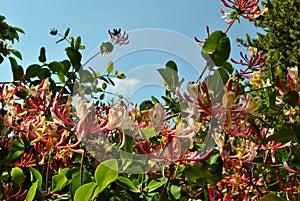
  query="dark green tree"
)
[{"x": 280, "y": 37}]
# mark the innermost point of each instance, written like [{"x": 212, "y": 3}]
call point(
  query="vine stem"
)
[
  {"x": 91, "y": 58},
  {"x": 230, "y": 25},
  {"x": 81, "y": 168},
  {"x": 167, "y": 183},
  {"x": 47, "y": 173}
]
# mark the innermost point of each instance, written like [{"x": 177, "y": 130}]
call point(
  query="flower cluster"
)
[{"x": 248, "y": 9}]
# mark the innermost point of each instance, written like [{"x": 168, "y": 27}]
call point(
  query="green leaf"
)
[
  {"x": 75, "y": 57},
  {"x": 106, "y": 48},
  {"x": 169, "y": 77},
  {"x": 172, "y": 65},
  {"x": 33, "y": 71},
  {"x": 64, "y": 171},
  {"x": 58, "y": 182},
  {"x": 156, "y": 183},
  {"x": 272, "y": 197},
  {"x": 223, "y": 74},
  {"x": 32, "y": 191},
  {"x": 197, "y": 171},
  {"x": 67, "y": 32},
  {"x": 16, "y": 53},
  {"x": 61, "y": 77},
  {"x": 129, "y": 141},
  {"x": 85, "y": 76},
  {"x": 146, "y": 105},
  {"x": 37, "y": 176},
  {"x": 284, "y": 135},
  {"x": 292, "y": 98},
  {"x": 147, "y": 133},
  {"x": 1, "y": 191},
  {"x": 1, "y": 59},
  {"x": 42, "y": 57},
  {"x": 217, "y": 45},
  {"x": 77, "y": 43},
  {"x": 106, "y": 172},
  {"x": 17, "y": 175},
  {"x": 154, "y": 100},
  {"x": 75, "y": 181},
  {"x": 56, "y": 66},
  {"x": 86, "y": 192},
  {"x": 127, "y": 184},
  {"x": 16, "y": 149},
  {"x": 4, "y": 176},
  {"x": 104, "y": 85},
  {"x": 44, "y": 73},
  {"x": 110, "y": 67},
  {"x": 176, "y": 191},
  {"x": 228, "y": 67},
  {"x": 17, "y": 70}
]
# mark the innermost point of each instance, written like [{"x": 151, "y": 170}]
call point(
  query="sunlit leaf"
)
[
  {"x": 32, "y": 191},
  {"x": 106, "y": 172},
  {"x": 127, "y": 184},
  {"x": 86, "y": 192},
  {"x": 217, "y": 45},
  {"x": 110, "y": 67},
  {"x": 58, "y": 182},
  {"x": 37, "y": 176},
  {"x": 17, "y": 175}
]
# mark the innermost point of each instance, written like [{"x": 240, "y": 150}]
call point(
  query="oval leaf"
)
[
  {"x": 155, "y": 184},
  {"x": 17, "y": 175},
  {"x": 58, "y": 182},
  {"x": 127, "y": 184},
  {"x": 37, "y": 176},
  {"x": 217, "y": 46},
  {"x": 56, "y": 66},
  {"x": 106, "y": 173},
  {"x": 110, "y": 67},
  {"x": 33, "y": 70},
  {"x": 86, "y": 192},
  {"x": 75, "y": 57},
  {"x": 31, "y": 192}
]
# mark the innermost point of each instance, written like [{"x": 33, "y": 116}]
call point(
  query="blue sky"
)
[{"x": 91, "y": 20}]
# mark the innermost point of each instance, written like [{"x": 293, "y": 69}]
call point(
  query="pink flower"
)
[
  {"x": 248, "y": 9},
  {"x": 27, "y": 160},
  {"x": 256, "y": 61},
  {"x": 116, "y": 37}
]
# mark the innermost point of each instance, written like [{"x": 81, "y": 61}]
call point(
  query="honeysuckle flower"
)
[
  {"x": 267, "y": 83},
  {"x": 286, "y": 166},
  {"x": 82, "y": 107},
  {"x": 118, "y": 117},
  {"x": 116, "y": 37},
  {"x": 256, "y": 78},
  {"x": 290, "y": 114},
  {"x": 293, "y": 72},
  {"x": 228, "y": 98},
  {"x": 256, "y": 61},
  {"x": 248, "y": 9},
  {"x": 27, "y": 160},
  {"x": 252, "y": 51},
  {"x": 60, "y": 113}
]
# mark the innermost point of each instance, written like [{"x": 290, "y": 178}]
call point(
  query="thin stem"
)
[
  {"x": 64, "y": 38},
  {"x": 245, "y": 92},
  {"x": 230, "y": 25},
  {"x": 91, "y": 58},
  {"x": 81, "y": 168},
  {"x": 202, "y": 73},
  {"x": 47, "y": 172},
  {"x": 166, "y": 184}
]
